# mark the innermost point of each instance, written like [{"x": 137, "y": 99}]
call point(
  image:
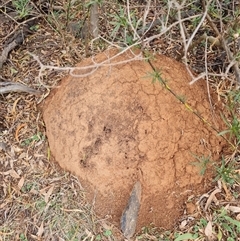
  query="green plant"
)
[
  {"x": 227, "y": 228},
  {"x": 22, "y": 7},
  {"x": 227, "y": 172},
  {"x": 22, "y": 237},
  {"x": 40, "y": 205},
  {"x": 232, "y": 122},
  {"x": 122, "y": 27},
  {"x": 27, "y": 187},
  {"x": 72, "y": 233},
  {"x": 202, "y": 163},
  {"x": 156, "y": 75},
  {"x": 92, "y": 2},
  {"x": 35, "y": 138},
  {"x": 233, "y": 129},
  {"x": 186, "y": 236},
  {"x": 194, "y": 234},
  {"x": 107, "y": 233}
]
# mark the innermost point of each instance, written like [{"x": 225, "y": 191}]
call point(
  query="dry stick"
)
[
  {"x": 17, "y": 40},
  {"x": 130, "y": 21},
  {"x": 207, "y": 81},
  {"x": 198, "y": 27},
  {"x": 92, "y": 68},
  {"x": 187, "y": 44},
  {"x": 146, "y": 11},
  {"x": 9, "y": 15},
  {"x": 7, "y": 87},
  {"x": 5, "y": 52},
  {"x": 166, "y": 29}
]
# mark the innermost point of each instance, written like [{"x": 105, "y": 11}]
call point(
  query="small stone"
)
[{"x": 130, "y": 213}]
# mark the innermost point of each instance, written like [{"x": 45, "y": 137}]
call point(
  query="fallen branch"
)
[
  {"x": 8, "y": 87},
  {"x": 10, "y": 47},
  {"x": 17, "y": 38}
]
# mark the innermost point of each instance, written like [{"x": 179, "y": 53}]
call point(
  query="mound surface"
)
[{"x": 115, "y": 127}]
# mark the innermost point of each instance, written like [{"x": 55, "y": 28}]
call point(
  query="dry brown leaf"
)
[
  {"x": 40, "y": 230},
  {"x": 14, "y": 106},
  {"x": 48, "y": 194},
  {"x": 22, "y": 155},
  {"x": 43, "y": 190},
  {"x": 72, "y": 210},
  {"x": 20, "y": 126},
  {"x": 234, "y": 209},
  {"x": 183, "y": 224},
  {"x": 16, "y": 149},
  {"x": 211, "y": 197},
  {"x": 20, "y": 183},
  {"x": 228, "y": 196},
  {"x": 3, "y": 205},
  {"x": 209, "y": 231},
  {"x": 12, "y": 173}
]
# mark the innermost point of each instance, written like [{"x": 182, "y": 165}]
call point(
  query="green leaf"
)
[
  {"x": 233, "y": 221},
  {"x": 107, "y": 233},
  {"x": 227, "y": 227},
  {"x": 98, "y": 237},
  {"x": 219, "y": 235},
  {"x": 185, "y": 236}
]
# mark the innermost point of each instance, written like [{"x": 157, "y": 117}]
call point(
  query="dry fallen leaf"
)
[
  {"x": 19, "y": 127},
  {"x": 14, "y": 106},
  {"x": 183, "y": 224},
  {"x": 12, "y": 173},
  {"x": 48, "y": 194},
  {"x": 40, "y": 230},
  {"x": 228, "y": 196},
  {"x": 20, "y": 183},
  {"x": 211, "y": 197},
  {"x": 234, "y": 209},
  {"x": 208, "y": 231}
]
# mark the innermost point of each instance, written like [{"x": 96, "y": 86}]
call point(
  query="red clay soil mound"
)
[{"x": 115, "y": 127}]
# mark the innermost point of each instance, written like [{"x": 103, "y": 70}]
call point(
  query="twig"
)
[
  {"x": 207, "y": 80},
  {"x": 198, "y": 26},
  {"x": 166, "y": 29},
  {"x": 92, "y": 67},
  {"x": 136, "y": 36}
]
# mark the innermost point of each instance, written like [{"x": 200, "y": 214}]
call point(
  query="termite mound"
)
[{"x": 114, "y": 127}]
